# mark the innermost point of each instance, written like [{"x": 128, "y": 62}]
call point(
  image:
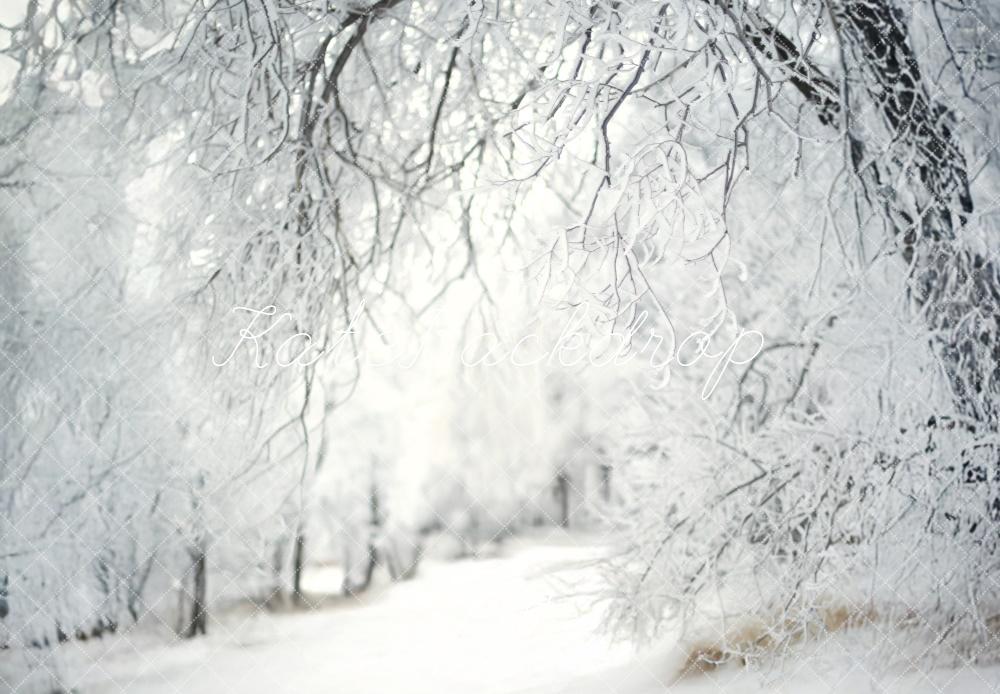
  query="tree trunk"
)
[
  {"x": 4, "y": 606},
  {"x": 276, "y": 595},
  {"x": 562, "y": 495},
  {"x": 605, "y": 482},
  {"x": 909, "y": 162},
  {"x": 375, "y": 521},
  {"x": 919, "y": 177},
  {"x": 198, "y": 622},
  {"x": 137, "y": 587},
  {"x": 298, "y": 566}
]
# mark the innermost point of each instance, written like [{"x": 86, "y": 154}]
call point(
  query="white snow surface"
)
[{"x": 514, "y": 623}]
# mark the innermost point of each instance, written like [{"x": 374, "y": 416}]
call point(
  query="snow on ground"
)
[{"x": 486, "y": 626}]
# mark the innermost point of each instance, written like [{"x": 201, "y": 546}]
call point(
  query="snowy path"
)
[{"x": 489, "y": 626}]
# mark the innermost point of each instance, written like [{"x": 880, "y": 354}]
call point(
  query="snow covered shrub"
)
[{"x": 839, "y": 502}]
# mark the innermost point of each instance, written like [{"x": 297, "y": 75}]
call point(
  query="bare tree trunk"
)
[
  {"x": 562, "y": 495},
  {"x": 375, "y": 508},
  {"x": 298, "y": 566},
  {"x": 198, "y": 621},
  {"x": 277, "y": 593},
  {"x": 136, "y": 587},
  {"x": 4, "y": 606},
  {"x": 605, "y": 482},
  {"x": 352, "y": 588}
]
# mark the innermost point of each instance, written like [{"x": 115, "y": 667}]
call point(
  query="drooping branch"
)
[{"x": 815, "y": 86}]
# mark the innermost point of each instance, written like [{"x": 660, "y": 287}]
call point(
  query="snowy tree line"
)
[{"x": 819, "y": 171}]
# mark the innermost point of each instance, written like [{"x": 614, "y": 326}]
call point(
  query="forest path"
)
[
  {"x": 489, "y": 626},
  {"x": 484, "y": 626}
]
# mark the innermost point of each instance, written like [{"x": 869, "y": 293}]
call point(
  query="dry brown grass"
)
[{"x": 757, "y": 637}]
